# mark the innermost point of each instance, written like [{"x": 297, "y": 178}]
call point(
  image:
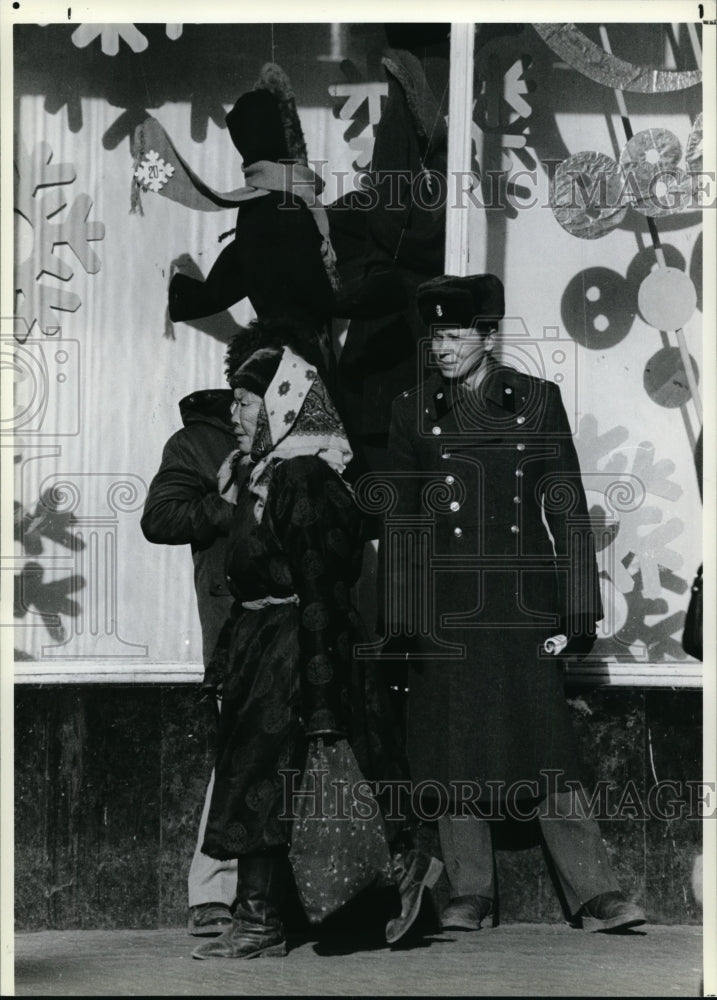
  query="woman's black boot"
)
[{"x": 256, "y": 929}]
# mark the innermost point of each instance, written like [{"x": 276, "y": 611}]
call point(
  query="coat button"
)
[
  {"x": 516, "y": 499},
  {"x": 450, "y": 480},
  {"x": 436, "y": 430},
  {"x": 519, "y": 473},
  {"x": 455, "y": 506},
  {"x": 514, "y": 528},
  {"x": 508, "y": 391},
  {"x": 439, "y": 395},
  {"x": 520, "y": 420},
  {"x": 458, "y": 532},
  {"x": 520, "y": 447}
]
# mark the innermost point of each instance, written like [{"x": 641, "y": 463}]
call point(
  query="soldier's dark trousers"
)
[{"x": 572, "y": 839}]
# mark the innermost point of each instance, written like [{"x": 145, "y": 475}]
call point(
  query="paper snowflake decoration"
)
[
  {"x": 110, "y": 35},
  {"x": 359, "y": 103},
  {"x": 640, "y": 538},
  {"x": 153, "y": 173},
  {"x": 56, "y": 220}
]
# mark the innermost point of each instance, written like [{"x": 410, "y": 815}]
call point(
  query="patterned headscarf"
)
[{"x": 297, "y": 417}]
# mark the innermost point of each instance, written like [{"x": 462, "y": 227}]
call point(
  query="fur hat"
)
[
  {"x": 291, "y": 328},
  {"x": 264, "y": 123},
  {"x": 256, "y": 373},
  {"x": 463, "y": 302}
]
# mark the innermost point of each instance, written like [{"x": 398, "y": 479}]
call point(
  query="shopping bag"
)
[{"x": 338, "y": 842}]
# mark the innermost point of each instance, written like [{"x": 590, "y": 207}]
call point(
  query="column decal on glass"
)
[
  {"x": 406, "y": 573},
  {"x": 94, "y": 633}
]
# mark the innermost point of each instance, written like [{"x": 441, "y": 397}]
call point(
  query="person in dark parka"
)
[
  {"x": 502, "y": 577},
  {"x": 183, "y": 507}
]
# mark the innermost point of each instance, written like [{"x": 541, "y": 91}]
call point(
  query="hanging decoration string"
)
[
  {"x": 423, "y": 170},
  {"x": 654, "y": 233}
]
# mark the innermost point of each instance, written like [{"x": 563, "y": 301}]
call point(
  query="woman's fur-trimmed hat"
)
[
  {"x": 264, "y": 123},
  {"x": 462, "y": 302},
  {"x": 256, "y": 373}
]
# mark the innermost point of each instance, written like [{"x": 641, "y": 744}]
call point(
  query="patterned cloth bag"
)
[{"x": 338, "y": 844}]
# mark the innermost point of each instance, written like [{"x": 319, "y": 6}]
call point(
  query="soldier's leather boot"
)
[{"x": 413, "y": 871}]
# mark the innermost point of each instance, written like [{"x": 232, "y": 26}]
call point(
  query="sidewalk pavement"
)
[{"x": 511, "y": 960}]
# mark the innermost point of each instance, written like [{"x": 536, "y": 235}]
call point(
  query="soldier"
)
[{"x": 485, "y": 462}]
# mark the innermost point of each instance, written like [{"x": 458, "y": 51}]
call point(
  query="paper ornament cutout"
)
[
  {"x": 693, "y": 156},
  {"x": 667, "y": 299},
  {"x": 594, "y": 62},
  {"x": 649, "y": 161},
  {"x": 55, "y": 220},
  {"x": 586, "y": 194},
  {"x": 665, "y": 379},
  {"x": 590, "y": 193},
  {"x": 152, "y": 172},
  {"x": 111, "y": 34},
  {"x": 361, "y": 106}
]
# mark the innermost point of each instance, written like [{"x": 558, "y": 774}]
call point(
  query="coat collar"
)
[
  {"x": 208, "y": 406},
  {"x": 500, "y": 388}
]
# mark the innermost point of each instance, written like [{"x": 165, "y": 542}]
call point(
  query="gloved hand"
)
[
  {"x": 581, "y": 633},
  {"x": 580, "y": 645}
]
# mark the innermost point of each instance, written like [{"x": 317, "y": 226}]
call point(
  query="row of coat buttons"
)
[
  {"x": 447, "y": 454},
  {"x": 455, "y": 507},
  {"x": 519, "y": 420},
  {"x": 450, "y": 480},
  {"x": 458, "y": 532}
]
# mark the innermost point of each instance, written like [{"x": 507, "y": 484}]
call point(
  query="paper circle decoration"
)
[
  {"x": 694, "y": 161},
  {"x": 586, "y": 194},
  {"x": 665, "y": 380},
  {"x": 693, "y": 155},
  {"x": 572, "y": 45},
  {"x": 657, "y": 186},
  {"x": 667, "y": 298}
]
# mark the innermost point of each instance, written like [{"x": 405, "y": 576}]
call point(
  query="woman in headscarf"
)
[{"x": 285, "y": 671}]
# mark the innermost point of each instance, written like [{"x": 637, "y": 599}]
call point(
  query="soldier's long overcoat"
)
[{"x": 488, "y": 551}]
